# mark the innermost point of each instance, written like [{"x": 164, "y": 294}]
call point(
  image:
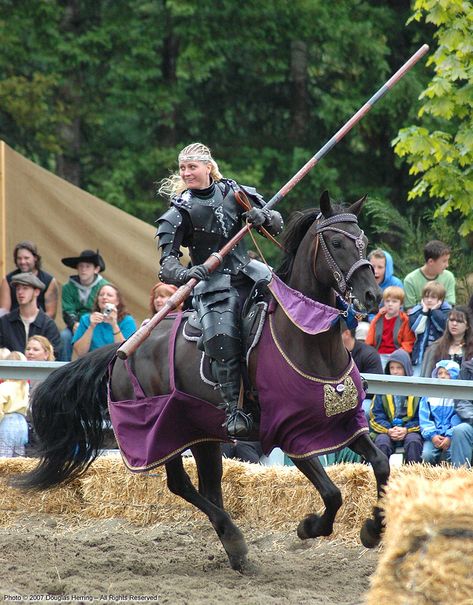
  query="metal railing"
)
[{"x": 378, "y": 383}]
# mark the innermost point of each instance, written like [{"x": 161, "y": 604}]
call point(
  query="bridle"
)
[{"x": 328, "y": 225}]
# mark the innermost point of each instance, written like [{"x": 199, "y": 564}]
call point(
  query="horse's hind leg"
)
[
  {"x": 370, "y": 534},
  {"x": 179, "y": 483},
  {"x": 315, "y": 525}
]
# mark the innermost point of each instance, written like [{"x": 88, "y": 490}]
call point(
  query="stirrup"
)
[{"x": 239, "y": 424}]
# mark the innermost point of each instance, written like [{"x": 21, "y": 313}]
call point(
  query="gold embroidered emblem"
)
[{"x": 340, "y": 399}]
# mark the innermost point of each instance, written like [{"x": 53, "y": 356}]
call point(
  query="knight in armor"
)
[{"x": 203, "y": 216}]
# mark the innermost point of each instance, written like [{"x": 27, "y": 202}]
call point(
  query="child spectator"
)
[
  {"x": 38, "y": 348},
  {"x": 428, "y": 320},
  {"x": 436, "y": 257},
  {"x": 383, "y": 267},
  {"x": 160, "y": 292},
  {"x": 461, "y": 448},
  {"x": 438, "y": 417},
  {"x": 390, "y": 329},
  {"x": 79, "y": 293},
  {"x": 394, "y": 419},
  {"x": 13, "y": 406}
]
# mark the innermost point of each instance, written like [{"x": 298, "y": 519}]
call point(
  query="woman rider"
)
[{"x": 203, "y": 216}]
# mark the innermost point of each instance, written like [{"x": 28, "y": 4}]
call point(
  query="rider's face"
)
[{"x": 196, "y": 175}]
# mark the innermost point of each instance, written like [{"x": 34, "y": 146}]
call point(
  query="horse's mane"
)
[{"x": 297, "y": 226}]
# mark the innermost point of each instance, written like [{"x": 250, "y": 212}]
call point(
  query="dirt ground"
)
[{"x": 48, "y": 559}]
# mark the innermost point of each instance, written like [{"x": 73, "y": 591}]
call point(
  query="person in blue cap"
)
[{"x": 438, "y": 417}]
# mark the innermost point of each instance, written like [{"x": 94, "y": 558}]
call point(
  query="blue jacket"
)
[
  {"x": 389, "y": 278},
  {"x": 103, "y": 332},
  {"x": 435, "y": 323},
  {"x": 437, "y": 414},
  {"x": 437, "y": 417}
]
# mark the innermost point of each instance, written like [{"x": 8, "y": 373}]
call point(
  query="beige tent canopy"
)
[{"x": 63, "y": 220}]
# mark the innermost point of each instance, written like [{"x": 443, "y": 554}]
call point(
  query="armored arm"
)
[
  {"x": 171, "y": 234},
  {"x": 271, "y": 220}
]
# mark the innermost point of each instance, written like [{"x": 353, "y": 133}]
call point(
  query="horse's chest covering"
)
[{"x": 306, "y": 415}]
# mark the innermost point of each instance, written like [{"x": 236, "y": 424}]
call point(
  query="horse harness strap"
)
[{"x": 327, "y": 225}]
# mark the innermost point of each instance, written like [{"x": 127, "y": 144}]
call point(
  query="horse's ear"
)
[
  {"x": 326, "y": 205},
  {"x": 356, "y": 207}
]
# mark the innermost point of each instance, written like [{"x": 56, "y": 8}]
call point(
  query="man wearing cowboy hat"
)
[
  {"x": 27, "y": 319},
  {"x": 79, "y": 293}
]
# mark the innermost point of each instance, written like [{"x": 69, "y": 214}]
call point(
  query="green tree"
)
[{"x": 440, "y": 150}]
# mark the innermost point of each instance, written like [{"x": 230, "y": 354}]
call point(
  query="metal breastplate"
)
[{"x": 215, "y": 221}]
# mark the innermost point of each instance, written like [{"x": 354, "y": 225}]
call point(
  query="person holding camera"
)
[{"x": 108, "y": 322}]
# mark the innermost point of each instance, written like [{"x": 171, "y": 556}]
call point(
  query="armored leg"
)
[
  {"x": 219, "y": 315},
  {"x": 227, "y": 374}
]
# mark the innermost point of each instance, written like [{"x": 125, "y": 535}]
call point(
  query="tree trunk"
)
[
  {"x": 299, "y": 93},
  {"x": 68, "y": 164}
]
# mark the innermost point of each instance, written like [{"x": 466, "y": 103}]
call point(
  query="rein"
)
[{"x": 327, "y": 225}]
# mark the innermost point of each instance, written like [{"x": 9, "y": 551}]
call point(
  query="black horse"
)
[{"x": 325, "y": 254}]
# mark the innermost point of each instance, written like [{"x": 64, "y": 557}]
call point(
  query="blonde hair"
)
[
  {"x": 4, "y": 352},
  {"x": 395, "y": 292},
  {"x": 434, "y": 288},
  {"x": 174, "y": 185},
  {"x": 47, "y": 346},
  {"x": 16, "y": 356}
]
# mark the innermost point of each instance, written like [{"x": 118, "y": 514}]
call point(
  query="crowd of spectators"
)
[{"x": 418, "y": 331}]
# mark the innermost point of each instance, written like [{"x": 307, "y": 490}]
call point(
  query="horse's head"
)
[{"x": 339, "y": 255}]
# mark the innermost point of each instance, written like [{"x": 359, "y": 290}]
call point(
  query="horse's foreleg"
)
[
  {"x": 232, "y": 539},
  {"x": 370, "y": 534},
  {"x": 315, "y": 525},
  {"x": 208, "y": 458}
]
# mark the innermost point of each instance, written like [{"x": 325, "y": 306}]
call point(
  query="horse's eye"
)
[{"x": 336, "y": 243}]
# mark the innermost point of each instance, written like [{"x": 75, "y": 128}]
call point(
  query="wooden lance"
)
[{"x": 216, "y": 258}]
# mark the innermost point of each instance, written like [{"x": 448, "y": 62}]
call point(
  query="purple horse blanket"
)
[{"x": 301, "y": 414}]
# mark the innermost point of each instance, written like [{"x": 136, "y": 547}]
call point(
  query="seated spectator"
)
[
  {"x": 394, "y": 419},
  {"x": 461, "y": 447},
  {"x": 160, "y": 293},
  {"x": 390, "y": 329},
  {"x": 383, "y": 267},
  {"x": 109, "y": 322},
  {"x": 79, "y": 293},
  {"x": 382, "y": 263},
  {"x": 456, "y": 343},
  {"x": 28, "y": 260},
  {"x": 4, "y": 353},
  {"x": 38, "y": 348},
  {"x": 366, "y": 358},
  {"x": 13, "y": 406},
  {"x": 246, "y": 451},
  {"x": 27, "y": 319},
  {"x": 436, "y": 256},
  {"x": 428, "y": 321},
  {"x": 437, "y": 417}
]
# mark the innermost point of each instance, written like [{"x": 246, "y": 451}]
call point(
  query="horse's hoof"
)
[
  {"x": 301, "y": 530},
  {"x": 313, "y": 527},
  {"x": 238, "y": 563},
  {"x": 370, "y": 536}
]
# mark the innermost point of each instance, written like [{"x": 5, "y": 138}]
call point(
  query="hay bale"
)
[
  {"x": 428, "y": 552},
  {"x": 266, "y": 497},
  {"x": 13, "y": 503}
]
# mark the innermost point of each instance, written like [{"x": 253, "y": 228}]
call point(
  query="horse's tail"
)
[{"x": 68, "y": 411}]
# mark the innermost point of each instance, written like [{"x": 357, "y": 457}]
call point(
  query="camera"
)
[{"x": 108, "y": 308}]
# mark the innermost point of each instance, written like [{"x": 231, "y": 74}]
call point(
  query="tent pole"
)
[{"x": 3, "y": 212}]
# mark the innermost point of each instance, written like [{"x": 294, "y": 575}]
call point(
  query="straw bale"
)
[
  {"x": 428, "y": 553},
  {"x": 61, "y": 500},
  {"x": 266, "y": 497}
]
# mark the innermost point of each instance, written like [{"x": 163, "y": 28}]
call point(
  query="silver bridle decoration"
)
[{"x": 327, "y": 225}]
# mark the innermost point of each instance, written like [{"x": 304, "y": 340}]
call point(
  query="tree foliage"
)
[
  {"x": 105, "y": 93},
  {"x": 440, "y": 149}
]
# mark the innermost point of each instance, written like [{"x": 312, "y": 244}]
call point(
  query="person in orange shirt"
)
[{"x": 389, "y": 329}]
